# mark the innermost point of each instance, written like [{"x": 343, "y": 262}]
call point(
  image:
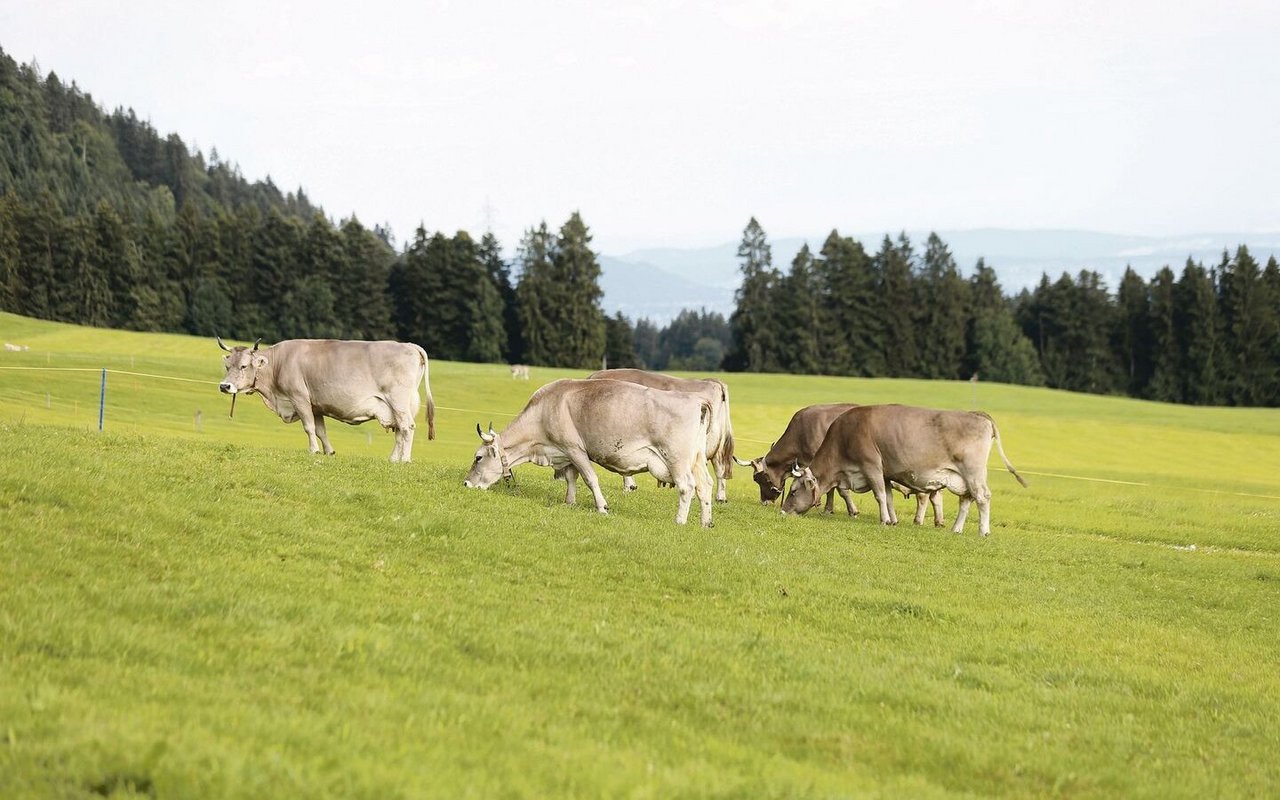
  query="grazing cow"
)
[
  {"x": 719, "y": 433},
  {"x": 352, "y": 382},
  {"x": 802, "y": 438},
  {"x": 923, "y": 449},
  {"x": 623, "y": 427},
  {"x": 520, "y": 371}
]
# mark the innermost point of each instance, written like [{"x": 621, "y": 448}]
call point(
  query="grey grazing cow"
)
[
  {"x": 625, "y": 428},
  {"x": 798, "y": 443},
  {"x": 352, "y": 382},
  {"x": 923, "y": 449},
  {"x": 720, "y": 430}
]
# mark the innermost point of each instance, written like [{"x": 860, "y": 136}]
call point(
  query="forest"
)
[{"x": 106, "y": 222}]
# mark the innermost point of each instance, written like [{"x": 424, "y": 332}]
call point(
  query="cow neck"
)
[
  {"x": 268, "y": 396},
  {"x": 517, "y": 447},
  {"x": 825, "y": 468}
]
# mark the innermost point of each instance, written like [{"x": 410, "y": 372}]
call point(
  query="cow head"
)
[
  {"x": 804, "y": 491},
  {"x": 242, "y": 365},
  {"x": 770, "y": 485},
  {"x": 490, "y": 462}
]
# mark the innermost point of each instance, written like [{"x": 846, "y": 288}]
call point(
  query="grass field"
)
[{"x": 203, "y": 609}]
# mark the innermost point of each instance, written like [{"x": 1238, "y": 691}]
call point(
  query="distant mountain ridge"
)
[{"x": 658, "y": 282}]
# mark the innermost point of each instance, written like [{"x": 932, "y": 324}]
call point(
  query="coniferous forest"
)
[{"x": 104, "y": 221}]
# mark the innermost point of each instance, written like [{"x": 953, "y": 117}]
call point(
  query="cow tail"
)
[
  {"x": 725, "y": 457},
  {"x": 995, "y": 434},
  {"x": 431, "y": 403}
]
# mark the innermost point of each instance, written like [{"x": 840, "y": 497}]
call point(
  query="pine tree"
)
[
  {"x": 997, "y": 349},
  {"x": 898, "y": 309},
  {"x": 1250, "y": 325},
  {"x": 1132, "y": 339},
  {"x": 944, "y": 301},
  {"x": 581, "y": 320},
  {"x": 1196, "y": 320},
  {"x": 756, "y": 330},
  {"x": 1166, "y": 357},
  {"x": 620, "y": 350},
  {"x": 799, "y": 315},
  {"x": 500, "y": 274},
  {"x": 537, "y": 295},
  {"x": 363, "y": 291},
  {"x": 851, "y": 336},
  {"x": 484, "y": 334}
]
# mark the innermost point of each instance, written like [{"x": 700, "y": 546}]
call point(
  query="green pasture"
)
[{"x": 196, "y": 607}]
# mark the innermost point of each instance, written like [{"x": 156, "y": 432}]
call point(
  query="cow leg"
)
[
  {"x": 570, "y": 476},
  {"x": 628, "y": 483},
  {"x": 308, "y": 418},
  {"x": 831, "y": 502},
  {"x": 880, "y": 488},
  {"x": 961, "y": 513},
  {"x": 583, "y": 465},
  {"x": 403, "y": 451},
  {"x": 847, "y": 497},
  {"x": 921, "y": 503},
  {"x": 935, "y": 498},
  {"x": 703, "y": 487},
  {"x": 323, "y": 435},
  {"x": 722, "y": 489},
  {"x": 982, "y": 496}
]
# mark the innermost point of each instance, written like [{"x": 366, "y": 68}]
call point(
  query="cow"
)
[
  {"x": 923, "y": 449},
  {"x": 801, "y": 439},
  {"x": 520, "y": 371},
  {"x": 625, "y": 428},
  {"x": 352, "y": 382},
  {"x": 720, "y": 432}
]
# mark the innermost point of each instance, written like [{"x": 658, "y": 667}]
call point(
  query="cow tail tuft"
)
[
  {"x": 726, "y": 447},
  {"x": 431, "y": 403}
]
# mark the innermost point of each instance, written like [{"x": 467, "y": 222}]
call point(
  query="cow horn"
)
[
  {"x": 255, "y": 344},
  {"x": 797, "y": 470},
  {"x": 487, "y": 438},
  {"x": 742, "y": 463},
  {"x": 220, "y": 344}
]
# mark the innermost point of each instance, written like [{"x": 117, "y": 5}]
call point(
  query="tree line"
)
[
  {"x": 1204, "y": 336},
  {"x": 105, "y": 222}
]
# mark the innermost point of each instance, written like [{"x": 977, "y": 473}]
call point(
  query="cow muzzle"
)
[
  {"x": 227, "y": 388},
  {"x": 470, "y": 485}
]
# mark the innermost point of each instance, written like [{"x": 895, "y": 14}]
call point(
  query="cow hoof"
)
[
  {"x": 939, "y": 524},
  {"x": 630, "y": 488},
  {"x": 708, "y": 524}
]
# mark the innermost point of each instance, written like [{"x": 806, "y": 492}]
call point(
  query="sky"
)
[{"x": 671, "y": 124}]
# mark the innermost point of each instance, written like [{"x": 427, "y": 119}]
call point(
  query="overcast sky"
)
[{"x": 672, "y": 123}]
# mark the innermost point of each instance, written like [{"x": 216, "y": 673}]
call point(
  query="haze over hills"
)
[{"x": 658, "y": 282}]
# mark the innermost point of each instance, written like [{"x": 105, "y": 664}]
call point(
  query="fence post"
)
[{"x": 102, "y": 398}]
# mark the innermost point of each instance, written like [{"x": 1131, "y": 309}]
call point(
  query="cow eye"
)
[{"x": 478, "y": 458}]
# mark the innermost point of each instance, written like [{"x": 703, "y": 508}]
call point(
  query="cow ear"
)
[{"x": 259, "y": 361}]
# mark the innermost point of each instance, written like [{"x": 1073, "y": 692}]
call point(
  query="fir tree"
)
[{"x": 756, "y": 331}]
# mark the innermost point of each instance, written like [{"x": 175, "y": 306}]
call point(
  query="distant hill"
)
[{"x": 658, "y": 282}]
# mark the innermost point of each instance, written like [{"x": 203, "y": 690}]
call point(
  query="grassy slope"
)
[{"x": 217, "y": 613}]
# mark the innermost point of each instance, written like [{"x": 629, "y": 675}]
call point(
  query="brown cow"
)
[
  {"x": 720, "y": 432},
  {"x": 623, "y": 427},
  {"x": 923, "y": 449},
  {"x": 798, "y": 443},
  {"x": 352, "y": 382}
]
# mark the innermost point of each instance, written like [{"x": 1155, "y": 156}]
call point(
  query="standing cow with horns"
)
[{"x": 352, "y": 382}]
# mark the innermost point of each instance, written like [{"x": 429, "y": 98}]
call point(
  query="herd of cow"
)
[{"x": 630, "y": 421}]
